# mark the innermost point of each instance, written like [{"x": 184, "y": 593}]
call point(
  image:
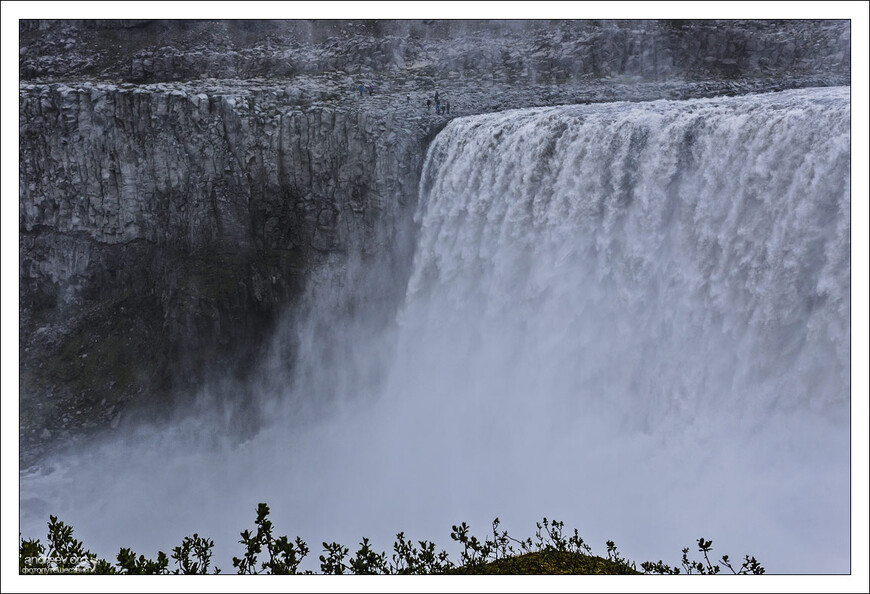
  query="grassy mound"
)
[{"x": 548, "y": 562}]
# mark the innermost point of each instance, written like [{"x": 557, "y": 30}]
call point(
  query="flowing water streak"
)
[{"x": 631, "y": 317}]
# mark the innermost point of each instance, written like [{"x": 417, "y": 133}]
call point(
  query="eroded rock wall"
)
[{"x": 181, "y": 221}]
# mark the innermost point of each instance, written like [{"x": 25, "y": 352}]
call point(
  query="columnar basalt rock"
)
[
  {"x": 206, "y": 171},
  {"x": 195, "y": 210}
]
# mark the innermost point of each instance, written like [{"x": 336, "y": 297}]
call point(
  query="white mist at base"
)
[{"x": 633, "y": 318}]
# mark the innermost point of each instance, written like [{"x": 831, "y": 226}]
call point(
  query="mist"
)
[{"x": 633, "y": 318}]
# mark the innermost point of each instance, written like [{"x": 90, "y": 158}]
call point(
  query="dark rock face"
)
[
  {"x": 179, "y": 180},
  {"x": 527, "y": 50},
  {"x": 189, "y": 216}
]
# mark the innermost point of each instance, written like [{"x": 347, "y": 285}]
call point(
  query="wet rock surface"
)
[{"x": 179, "y": 180}]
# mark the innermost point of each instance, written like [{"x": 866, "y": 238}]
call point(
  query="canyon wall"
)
[{"x": 162, "y": 230}]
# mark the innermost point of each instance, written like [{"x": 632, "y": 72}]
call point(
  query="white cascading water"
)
[{"x": 633, "y": 317}]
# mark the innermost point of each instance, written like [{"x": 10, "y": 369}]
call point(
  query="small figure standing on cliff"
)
[
  {"x": 436, "y": 98},
  {"x": 371, "y": 90},
  {"x": 361, "y": 90},
  {"x": 409, "y": 99},
  {"x": 428, "y": 104}
]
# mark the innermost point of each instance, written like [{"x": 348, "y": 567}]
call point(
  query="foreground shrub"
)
[{"x": 551, "y": 551}]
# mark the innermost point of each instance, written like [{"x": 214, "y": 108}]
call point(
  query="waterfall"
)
[
  {"x": 632, "y": 317},
  {"x": 662, "y": 258},
  {"x": 644, "y": 306}
]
